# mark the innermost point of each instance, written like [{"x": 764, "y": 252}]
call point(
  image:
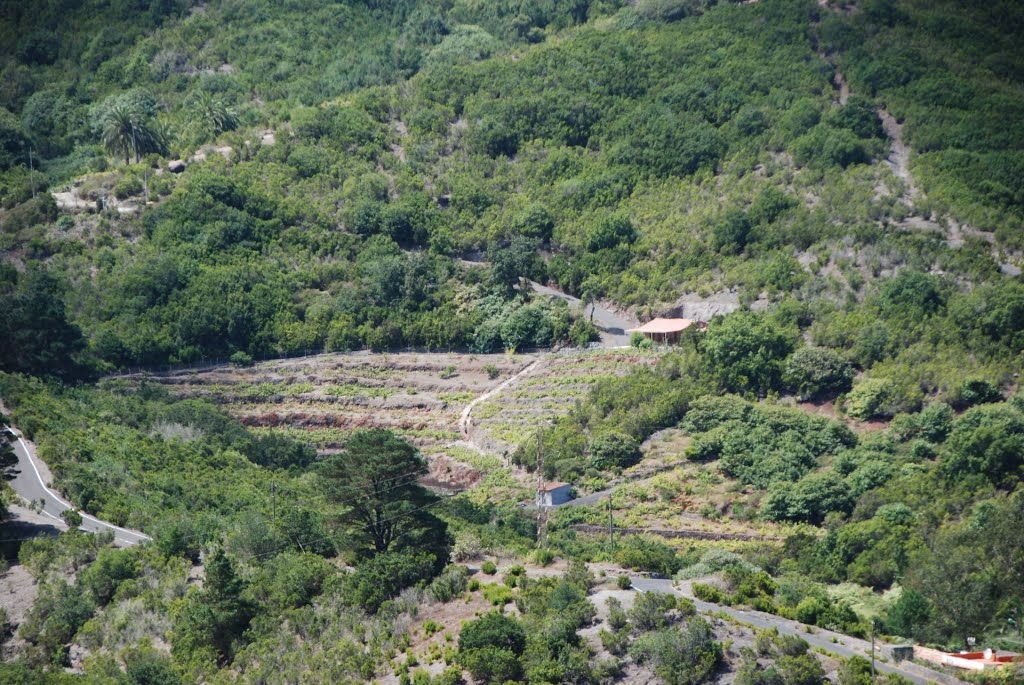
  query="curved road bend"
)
[
  {"x": 29, "y": 485},
  {"x": 844, "y": 645},
  {"x": 613, "y": 326}
]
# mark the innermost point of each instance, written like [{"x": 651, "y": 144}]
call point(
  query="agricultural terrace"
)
[
  {"x": 548, "y": 392},
  {"x": 319, "y": 400}
]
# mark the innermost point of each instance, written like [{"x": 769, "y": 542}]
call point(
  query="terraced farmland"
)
[
  {"x": 420, "y": 396},
  {"x": 321, "y": 399},
  {"x": 547, "y": 392}
]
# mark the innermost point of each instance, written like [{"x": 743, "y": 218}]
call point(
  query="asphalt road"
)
[
  {"x": 613, "y": 326},
  {"x": 28, "y": 484},
  {"x": 836, "y": 643}
]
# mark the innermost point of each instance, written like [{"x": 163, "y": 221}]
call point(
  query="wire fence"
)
[{"x": 208, "y": 364}]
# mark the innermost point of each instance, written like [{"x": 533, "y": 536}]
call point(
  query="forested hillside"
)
[{"x": 837, "y": 186}]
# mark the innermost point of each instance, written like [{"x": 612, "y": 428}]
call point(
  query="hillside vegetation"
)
[{"x": 249, "y": 181}]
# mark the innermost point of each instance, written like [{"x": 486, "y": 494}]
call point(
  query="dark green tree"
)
[
  {"x": 909, "y": 615},
  {"x": 987, "y": 440},
  {"x": 611, "y": 231},
  {"x": 731, "y": 231},
  {"x": 746, "y": 351},
  {"x": 212, "y": 621},
  {"x": 818, "y": 371},
  {"x": 490, "y": 647},
  {"x": 382, "y": 507},
  {"x": 38, "y": 338},
  {"x": 14, "y": 143},
  {"x": 210, "y": 114},
  {"x": 614, "y": 449},
  {"x": 954, "y": 575},
  {"x": 495, "y": 630},
  {"x": 513, "y": 262},
  {"x": 8, "y": 458},
  {"x": 128, "y": 128}
]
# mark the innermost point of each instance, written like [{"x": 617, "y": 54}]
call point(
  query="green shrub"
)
[
  {"x": 709, "y": 593},
  {"x": 127, "y": 186},
  {"x": 614, "y": 449},
  {"x": 384, "y": 576},
  {"x": 747, "y": 350},
  {"x": 680, "y": 655},
  {"x": 493, "y": 630},
  {"x": 491, "y": 664},
  {"x": 817, "y": 371},
  {"x": 869, "y": 398},
  {"x": 646, "y": 554},
  {"x": 489, "y": 567},
  {"x": 974, "y": 391},
  {"x": 623, "y": 582},
  {"x": 497, "y": 595},
  {"x": 616, "y": 642},
  {"x": 449, "y": 584},
  {"x": 72, "y": 518},
  {"x": 652, "y": 611},
  {"x": 241, "y": 359}
]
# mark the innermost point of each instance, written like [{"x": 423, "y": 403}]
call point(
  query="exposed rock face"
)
[
  {"x": 693, "y": 306},
  {"x": 176, "y": 166}
]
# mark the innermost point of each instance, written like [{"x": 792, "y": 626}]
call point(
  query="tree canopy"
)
[{"x": 381, "y": 505}]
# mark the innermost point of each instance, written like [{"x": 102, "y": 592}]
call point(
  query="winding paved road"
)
[
  {"x": 837, "y": 643},
  {"x": 613, "y": 326},
  {"x": 28, "y": 483}
]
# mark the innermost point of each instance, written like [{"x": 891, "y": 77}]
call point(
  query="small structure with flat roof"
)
[
  {"x": 554, "y": 494},
  {"x": 667, "y": 331}
]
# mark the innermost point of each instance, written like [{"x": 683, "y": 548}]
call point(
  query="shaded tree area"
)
[
  {"x": 383, "y": 507},
  {"x": 38, "y": 338}
]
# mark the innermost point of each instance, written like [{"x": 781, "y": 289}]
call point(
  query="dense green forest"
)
[
  {"x": 235, "y": 180},
  {"x": 661, "y": 156}
]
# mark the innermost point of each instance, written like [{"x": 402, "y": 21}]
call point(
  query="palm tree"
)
[
  {"x": 127, "y": 131},
  {"x": 120, "y": 131},
  {"x": 211, "y": 114}
]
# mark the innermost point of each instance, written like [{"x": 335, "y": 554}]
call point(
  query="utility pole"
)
[
  {"x": 872, "y": 652},
  {"x": 31, "y": 170},
  {"x": 543, "y": 529},
  {"x": 611, "y": 524}
]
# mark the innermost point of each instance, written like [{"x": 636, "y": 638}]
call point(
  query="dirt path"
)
[
  {"x": 899, "y": 154},
  {"x": 466, "y": 418},
  {"x": 898, "y": 162}
]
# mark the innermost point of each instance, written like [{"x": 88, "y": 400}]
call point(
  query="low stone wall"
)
[{"x": 688, "y": 534}]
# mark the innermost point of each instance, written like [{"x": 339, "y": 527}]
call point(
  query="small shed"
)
[
  {"x": 554, "y": 494},
  {"x": 667, "y": 331}
]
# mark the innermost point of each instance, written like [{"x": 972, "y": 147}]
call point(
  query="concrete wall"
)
[{"x": 553, "y": 498}]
